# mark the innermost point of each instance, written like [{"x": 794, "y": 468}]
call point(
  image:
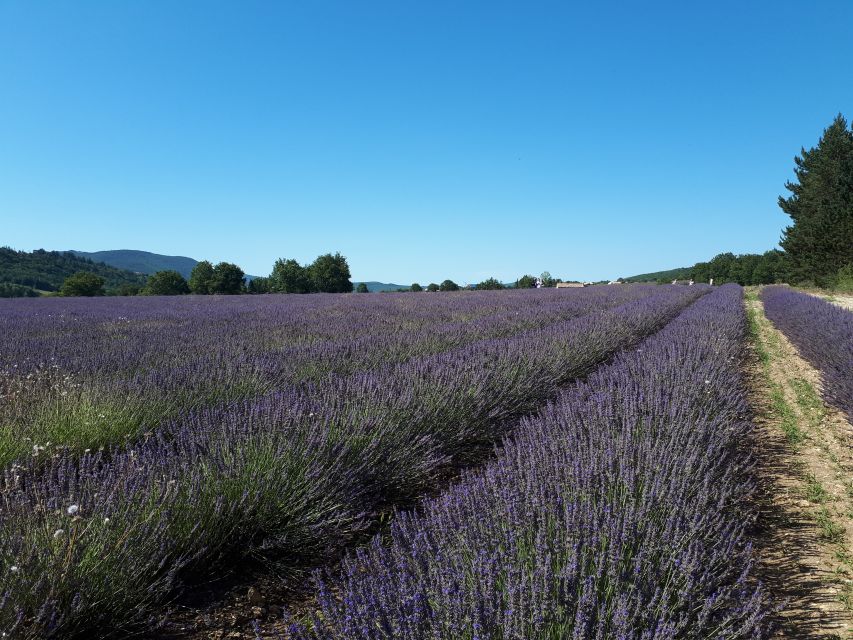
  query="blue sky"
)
[{"x": 423, "y": 140}]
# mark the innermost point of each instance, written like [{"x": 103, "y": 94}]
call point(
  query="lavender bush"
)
[
  {"x": 823, "y": 334},
  {"x": 90, "y": 544},
  {"x": 95, "y": 373},
  {"x": 618, "y": 512}
]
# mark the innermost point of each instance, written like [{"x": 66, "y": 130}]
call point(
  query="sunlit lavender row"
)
[
  {"x": 90, "y": 545},
  {"x": 617, "y": 512},
  {"x": 822, "y": 333},
  {"x": 87, "y": 374}
]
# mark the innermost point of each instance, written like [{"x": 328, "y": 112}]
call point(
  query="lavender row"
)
[
  {"x": 822, "y": 333},
  {"x": 92, "y": 376},
  {"x": 90, "y": 545},
  {"x": 617, "y": 512}
]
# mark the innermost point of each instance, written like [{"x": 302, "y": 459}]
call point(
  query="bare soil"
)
[{"x": 805, "y": 471}]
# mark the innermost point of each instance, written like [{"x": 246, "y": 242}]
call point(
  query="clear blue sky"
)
[{"x": 423, "y": 140}]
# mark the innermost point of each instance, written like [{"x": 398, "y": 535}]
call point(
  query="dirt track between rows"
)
[{"x": 805, "y": 472}]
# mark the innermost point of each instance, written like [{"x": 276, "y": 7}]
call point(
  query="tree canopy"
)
[
  {"x": 448, "y": 285},
  {"x": 433, "y": 287},
  {"x": 361, "y": 288},
  {"x": 258, "y": 285},
  {"x": 416, "y": 287},
  {"x": 819, "y": 242},
  {"x": 202, "y": 278},
  {"x": 228, "y": 279},
  {"x": 166, "y": 283},
  {"x": 330, "y": 274},
  {"x": 525, "y": 282},
  {"x": 288, "y": 276},
  {"x": 490, "y": 284},
  {"x": 83, "y": 283}
]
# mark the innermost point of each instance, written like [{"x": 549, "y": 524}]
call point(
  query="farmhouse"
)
[{"x": 569, "y": 285}]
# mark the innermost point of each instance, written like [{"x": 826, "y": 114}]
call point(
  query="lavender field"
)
[
  {"x": 151, "y": 444},
  {"x": 823, "y": 334}
]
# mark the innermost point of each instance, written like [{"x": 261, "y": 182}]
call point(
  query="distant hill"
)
[
  {"x": 46, "y": 270},
  {"x": 141, "y": 261},
  {"x": 381, "y": 286},
  {"x": 680, "y": 273},
  {"x": 144, "y": 261}
]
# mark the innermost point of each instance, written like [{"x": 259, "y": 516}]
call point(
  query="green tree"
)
[
  {"x": 416, "y": 287},
  {"x": 820, "y": 240},
  {"x": 82, "y": 283},
  {"x": 166, "y": 283},
  {"x": 448, "y": 285},
  {"x": 128, "y": 290},
  {"x": 288, "y": 276},
  {"x": 330, "y": 274},
  {"x": 361, "y": 288},
  {"x": 489, "y": 284},
  {"x": 525, "y": 282},
  {"x": 432, "y": 287},
  {"x": 228, "y": 279},
  {"x": 202, "y": 278},
  {"x": 547, "y": 280},
  {"x": 12, "y": 290},
  {"x": 258, "y": 285}
]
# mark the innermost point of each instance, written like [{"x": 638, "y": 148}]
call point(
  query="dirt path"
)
[{"x": 805, "y": 468}]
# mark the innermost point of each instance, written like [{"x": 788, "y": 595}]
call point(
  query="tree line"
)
[
  {"x": 817, "y": 247},
  {"x": 526, "y": 281},
  {"x": 329, "y": 273}
]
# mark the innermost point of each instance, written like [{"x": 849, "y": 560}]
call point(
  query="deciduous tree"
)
[
  {"x": 83, "y": 283},
  {"x": 330, "y": 274},
  {"x": 202, "y": 278},
  {"x": 166, "y": 283}
]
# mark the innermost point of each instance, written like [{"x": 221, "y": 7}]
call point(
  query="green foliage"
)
[
  {"x": 140, "y": 261},
  {"x": 330, "y": 274},
  {"x": 663, "y": 277},
  {"x": 258, "y": 285},
  {"x": 525, "y": 282},
  {"x": 820, "y": 240},
  {"x": 202, "y": 279},
  {"x": 433, "y": 287},
  {"x": 47, "y": 270},
  {"x": 361, "y": 288},
  {"x": 448, "y": 285},
  {"x": 844, "y": 279},
  {"x": 490, "y": 284},
  {"x": 82, "y": 283},
  {"x": 11, "y": 290},
  {"x": 228, "y": 279},
  {"x": 288, "y": 276},
  {"x": 747, "y": 269},
  {"x": 416, "y": 287},
  {"x": 126, "y": 290},
  {"x": 547, "y": 280},
  {"x": 166, "y": 283}
]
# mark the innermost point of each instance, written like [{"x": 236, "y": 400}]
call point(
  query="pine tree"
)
[{"x": 820, "y": 241}]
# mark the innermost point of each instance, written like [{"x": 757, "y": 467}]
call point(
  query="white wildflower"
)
[
  {"x": 15, "y": 568},
  {"x": 73, "y": 509},
  {"x": 58, "y": 533}
]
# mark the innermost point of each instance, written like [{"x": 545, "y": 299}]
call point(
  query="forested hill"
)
[
  {"x": 680, "y": 273},
  {"x": 141, "y": 261},
  {"x": 748, "y": 268},
  {"x": 46, "y": 270}
]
